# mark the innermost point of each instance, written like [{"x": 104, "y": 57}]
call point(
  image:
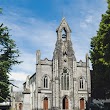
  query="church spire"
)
[
  {"x": 64, "y": 44},
  {"x": 63, "y": 30},
  {"x": 63, "y": 24}
]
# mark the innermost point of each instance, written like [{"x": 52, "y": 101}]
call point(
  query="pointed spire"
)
[{"x": 62, "y": 25}]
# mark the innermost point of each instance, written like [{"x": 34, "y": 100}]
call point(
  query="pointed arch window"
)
[
  {"x": 65, "y": 80},
  {"x": 45, "y": 82},
  {"x": 81, "y": 83}
]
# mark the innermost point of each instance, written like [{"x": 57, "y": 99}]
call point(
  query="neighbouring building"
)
[
  {"x": 17, "y": 101},
  {"x": 14, "y": 102},
  {"x": 61, "y": 83}
]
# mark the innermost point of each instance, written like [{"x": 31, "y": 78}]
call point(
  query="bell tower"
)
[
  {"x": 63, "y": 64},
  {"x": 64, "y": 44},
  {"x": 63, "y": 31}
]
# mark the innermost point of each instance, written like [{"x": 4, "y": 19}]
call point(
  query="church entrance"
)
[
  {"x": 65, "y": 103},
  {"x": 20, "y": 106},
  {"x": 45, "y": 103},
  {"x": 81, "y": 104}
]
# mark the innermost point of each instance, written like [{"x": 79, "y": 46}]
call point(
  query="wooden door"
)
[
  {"x": 45, "y": 103},
  {"x": 82, "y": 104},
  {"x": 20, "y": 106},
  {"x": 66, "y": 103}
]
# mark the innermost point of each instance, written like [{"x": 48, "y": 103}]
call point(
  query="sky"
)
[{"x": 33, "y": 25}]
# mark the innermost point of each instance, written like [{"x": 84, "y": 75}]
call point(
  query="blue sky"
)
[{"x": 33, "y": 26}]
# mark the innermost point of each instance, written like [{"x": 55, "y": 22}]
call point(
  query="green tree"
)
[
  {"x": 8, "y": 57},
  {"x": 100, "y": 58},
  {"x": 0, "y": 10}
]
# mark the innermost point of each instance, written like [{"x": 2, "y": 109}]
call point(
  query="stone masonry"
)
[{"x": 61, "y": 83}]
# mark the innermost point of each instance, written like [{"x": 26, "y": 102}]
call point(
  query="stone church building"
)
[{"x": 61, "y": 83}]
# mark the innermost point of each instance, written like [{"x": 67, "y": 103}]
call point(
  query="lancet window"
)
[
  {"x": 81, "y": 83},
  {"x": 65, "y": 80},
  {"x": 45, "y": 82}
]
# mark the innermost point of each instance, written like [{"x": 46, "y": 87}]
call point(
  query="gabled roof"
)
[{"x": 63, "y": 21}]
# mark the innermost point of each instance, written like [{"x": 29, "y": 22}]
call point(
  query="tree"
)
[
  {"x": 8, "y": 57},
  {"x": 0, "y": 10},
  {"x": 100, "y": 58}
]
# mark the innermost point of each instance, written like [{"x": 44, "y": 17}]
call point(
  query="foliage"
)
[
  {"x": 8, "y": 57},
  {"x": 0, "y": 10},
  {"x": 100, "y": 58}
]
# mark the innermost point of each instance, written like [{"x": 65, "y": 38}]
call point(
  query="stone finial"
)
[
  {"x": 38, "y": 56},
  {"x": 87, "y": 59},
  {"x": 27, "y": 82}
]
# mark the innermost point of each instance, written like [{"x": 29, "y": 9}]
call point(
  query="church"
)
[{"x": 62, "y": 83}]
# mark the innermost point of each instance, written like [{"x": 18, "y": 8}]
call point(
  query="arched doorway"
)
[
  {"x": 81, "y": 104},
  {"x": 65, "y": 103},
  {"x": 45, "y": 103},
  {"x": 20, "y": 106}
]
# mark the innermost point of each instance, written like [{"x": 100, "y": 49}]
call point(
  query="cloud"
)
[
  {"x": 32, "y": 33},
  {"x": 89, "y": 19},
  {"x": 19, "y": 85},
  {"x": 28, "y": 64},
  {"x": 18, "y": 76},
  {"x": 83, "y": 25},
  {"x": 18, "y": 79}
]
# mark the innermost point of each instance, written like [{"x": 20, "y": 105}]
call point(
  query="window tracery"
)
[
  {"x": 45, "y": 82},
  {"x": 81, "y": 83},
  {"x": 65, "y": 80}
]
